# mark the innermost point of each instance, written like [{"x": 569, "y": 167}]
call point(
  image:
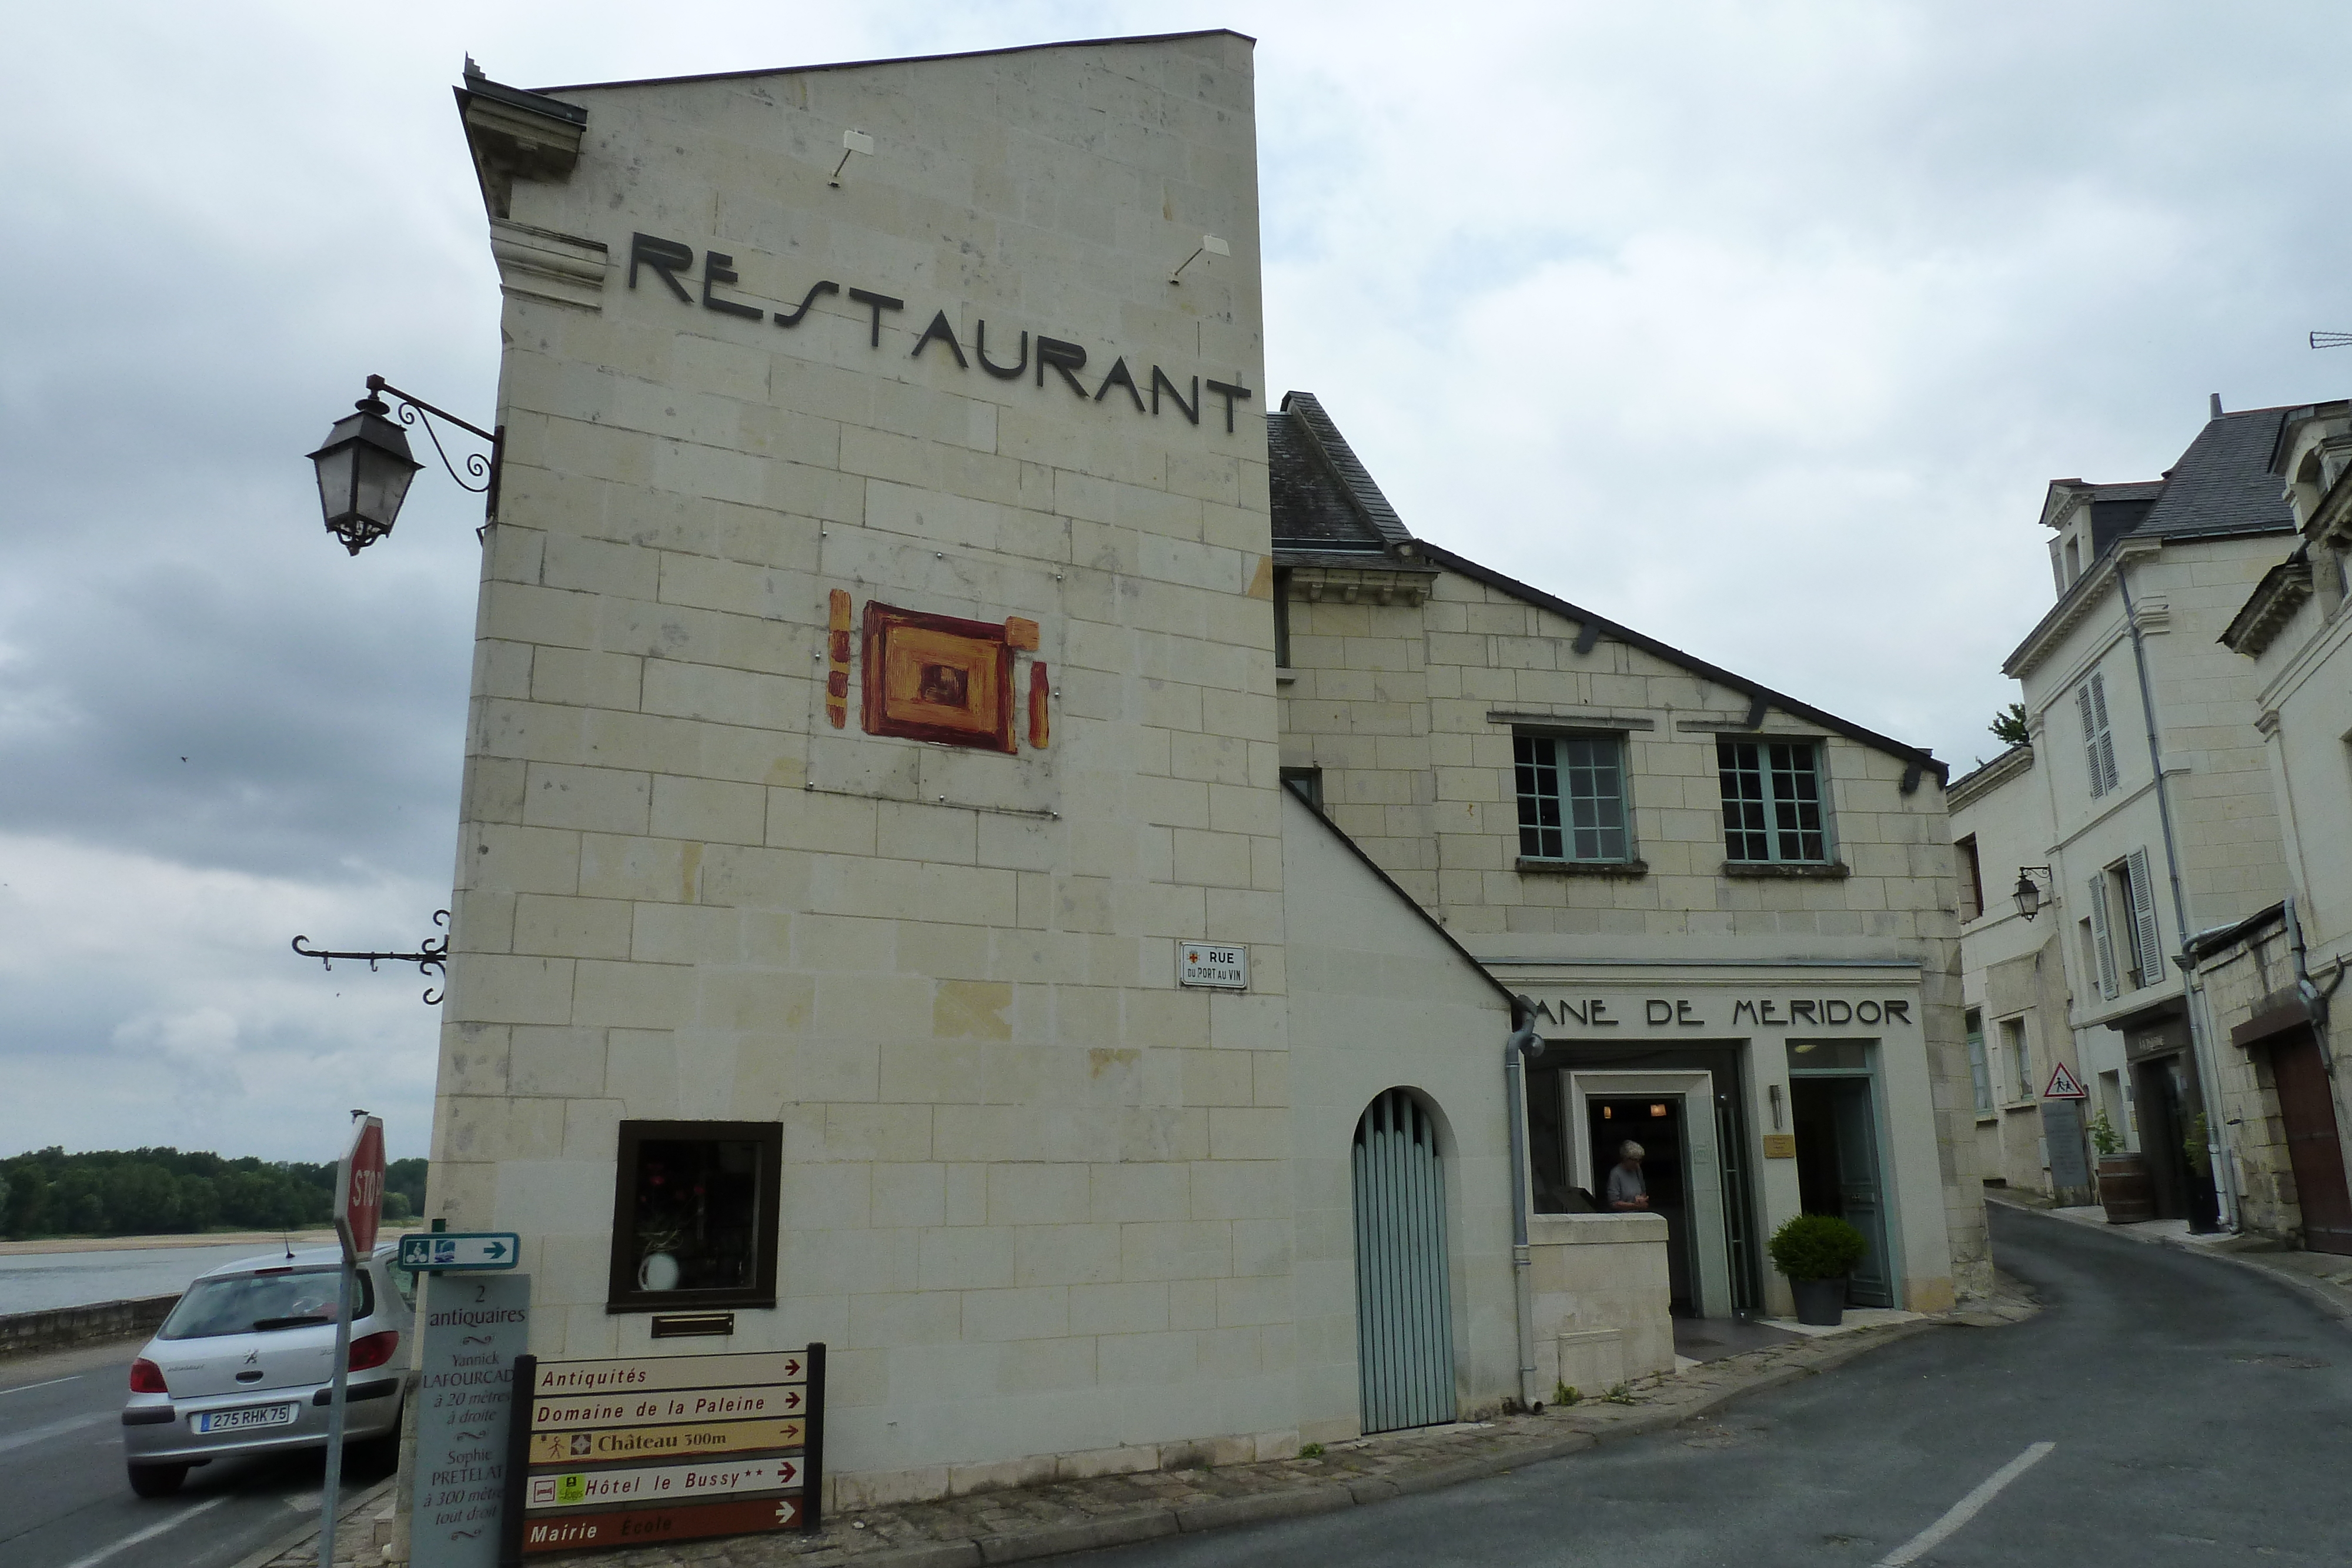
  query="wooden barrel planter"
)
[{"x": 2126, "y": 1191}]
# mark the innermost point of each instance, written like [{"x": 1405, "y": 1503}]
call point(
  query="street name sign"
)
[
  {"x": 632, "y": 1451},
  {"x": 470, "y": 1333},
  {"x": 2064, "y": 1085},
  {"x": 1219, "y": 966},
  {"x": 460, "y": 1251}
]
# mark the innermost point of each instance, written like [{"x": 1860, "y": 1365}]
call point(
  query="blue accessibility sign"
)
[{"x": 455, "y": 1250}]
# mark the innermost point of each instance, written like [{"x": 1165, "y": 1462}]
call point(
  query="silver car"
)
[{"x": 245, "y": 1364}]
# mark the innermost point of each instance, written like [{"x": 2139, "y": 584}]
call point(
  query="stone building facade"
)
[
  {"x": 1416, "y": 687},
  {"x": 880, "y": 919},
  {"x": 2272, "y": 979}
]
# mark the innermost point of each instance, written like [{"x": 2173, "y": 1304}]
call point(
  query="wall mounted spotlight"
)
[
  {"x": 1210, "y": 244},
  {"x": 2028, "y": 892},
  {"x": 852, "y": 142},
  {"x": 364, "y": 466}
]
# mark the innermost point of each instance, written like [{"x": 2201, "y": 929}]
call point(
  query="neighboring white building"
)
[
  {"x": 2013, "y": 985},
  {"x": 876, "y": 722},
  {"x": 2160, "y": 811}
]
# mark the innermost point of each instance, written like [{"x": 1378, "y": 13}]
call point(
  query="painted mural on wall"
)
[{"x": 932, "y": 677}]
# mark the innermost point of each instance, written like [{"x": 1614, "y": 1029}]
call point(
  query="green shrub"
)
[
  {"x": 1564, "y": 1394},
  {"x": 1817, "y": 1247}
]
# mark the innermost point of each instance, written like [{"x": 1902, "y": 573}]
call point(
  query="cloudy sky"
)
[{"x": 1759, "y": 326}]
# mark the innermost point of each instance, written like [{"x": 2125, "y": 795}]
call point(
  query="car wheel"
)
[
  {"x": 379, "y": 1452},
  {"x": 157, "y": 1480}
]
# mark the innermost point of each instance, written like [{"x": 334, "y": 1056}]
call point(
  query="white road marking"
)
[
  {"x": 1958, "y": 1514},
  {"x": 150, "y": 1533},
  {"x": 52, "y": 1382},
  {"x": 54, "y": 1429}
]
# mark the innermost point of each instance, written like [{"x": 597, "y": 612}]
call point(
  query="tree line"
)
[{"x": 149, "y": 1192}]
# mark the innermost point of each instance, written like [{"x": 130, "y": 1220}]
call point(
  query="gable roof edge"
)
[
  {"x": 1673, "y": 656},
  {"x": 1408, "y": 901}
]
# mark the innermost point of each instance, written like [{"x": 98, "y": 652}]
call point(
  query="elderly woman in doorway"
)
[{"x": 1628, "y": 1193}]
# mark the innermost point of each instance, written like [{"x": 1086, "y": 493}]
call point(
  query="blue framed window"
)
[
  {"x": 1772, "y": 801},
  {"x": 1572, "y": 796}
]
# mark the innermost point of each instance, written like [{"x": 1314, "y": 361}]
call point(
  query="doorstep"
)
[{"x": 1854, "y": 1321}]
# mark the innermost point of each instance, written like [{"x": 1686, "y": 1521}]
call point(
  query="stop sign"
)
[{"x": 359, "y": 1188}]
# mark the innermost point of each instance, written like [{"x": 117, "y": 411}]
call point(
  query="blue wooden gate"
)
[{"x": 1404, "y": 1317}]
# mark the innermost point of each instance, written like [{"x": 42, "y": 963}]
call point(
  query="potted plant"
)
[{"x": 1817, "y": 1252}]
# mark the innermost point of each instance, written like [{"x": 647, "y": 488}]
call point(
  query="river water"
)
[{"x": 36, "y": 1281}]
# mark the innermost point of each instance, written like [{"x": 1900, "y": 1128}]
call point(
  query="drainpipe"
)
[
  {"x": 2314, "y": 999},
  {"x": 1524, "y": 1045},
  {"x": 2216, "y": 1157}
]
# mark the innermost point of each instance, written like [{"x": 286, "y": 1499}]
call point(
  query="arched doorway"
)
[{"x": 1404, "y": 1316}]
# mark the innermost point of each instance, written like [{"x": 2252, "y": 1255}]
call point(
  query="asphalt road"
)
[
  {"x": 2197, "y": 1413},
  {"x": 63, "y": 1499}
]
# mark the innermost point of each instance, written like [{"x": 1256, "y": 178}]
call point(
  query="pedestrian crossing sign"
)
[{"x": 2063, "y": 1086}]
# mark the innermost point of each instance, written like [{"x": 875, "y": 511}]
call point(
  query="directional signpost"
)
[
  {"x": 472, "y": 1332},
  {"x": 459, "y": 1251},
  {"x": 654, "y": 1449}
]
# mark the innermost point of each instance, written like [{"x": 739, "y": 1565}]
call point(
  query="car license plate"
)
[{"x": 239, "y": 1420}]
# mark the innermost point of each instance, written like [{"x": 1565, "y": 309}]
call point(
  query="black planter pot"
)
[{"x": 1820, "y": 1302}]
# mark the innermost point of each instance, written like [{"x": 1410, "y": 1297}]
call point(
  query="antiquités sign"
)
[
  {"x": 649, "y": 1449},
  {"x": 720, "y": 289},
  {"x": 473, "y": 1330}
]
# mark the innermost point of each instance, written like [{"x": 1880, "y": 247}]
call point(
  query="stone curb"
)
[
  {"x": 1327, "y": 1496},
  {"x": 308, "y": 1534}
]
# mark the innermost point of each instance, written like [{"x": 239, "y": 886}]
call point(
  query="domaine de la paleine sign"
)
[{"x": 666, "y": 258}]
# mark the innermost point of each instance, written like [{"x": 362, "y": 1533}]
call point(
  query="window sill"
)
[
  {"x": 1615, "y": 870},
  {"x": 1785, "y": 871},
  {"x": 1284, "y": 674}
]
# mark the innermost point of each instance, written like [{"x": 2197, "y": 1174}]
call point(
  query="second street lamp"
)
[{"x": 364, "y": 466}]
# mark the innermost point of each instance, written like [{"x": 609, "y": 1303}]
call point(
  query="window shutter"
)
[
  {"x": 2099, "y": 938},
  {"x": 2143, "y": 900},
  {"x": 2090, "y": 740},
  {"x": 2106, "y": 735}
]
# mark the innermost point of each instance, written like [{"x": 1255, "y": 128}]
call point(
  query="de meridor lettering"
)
[
  {"x": 1768, "y": 1012},
  {"x": 666, "y": 258}
]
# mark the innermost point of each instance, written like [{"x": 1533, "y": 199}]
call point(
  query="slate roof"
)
[
  {"x": 1325, "y": 501},
  {"x": 2223, "y": 483}
]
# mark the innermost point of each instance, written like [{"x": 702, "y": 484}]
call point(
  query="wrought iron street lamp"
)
[
  {"x": 365, "y": 466},
  {"x": 2028, "y": 892}
]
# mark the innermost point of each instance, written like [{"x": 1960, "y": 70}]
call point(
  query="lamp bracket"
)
[
  {"x": 415, "y": 411},
  {"x": 430, "y": 958}
]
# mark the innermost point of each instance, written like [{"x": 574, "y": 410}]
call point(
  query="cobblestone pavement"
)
[{"x": 1016, "y": 1524}]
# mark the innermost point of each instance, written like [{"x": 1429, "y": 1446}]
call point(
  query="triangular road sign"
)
[{"x": 2063, "y": 1086}]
